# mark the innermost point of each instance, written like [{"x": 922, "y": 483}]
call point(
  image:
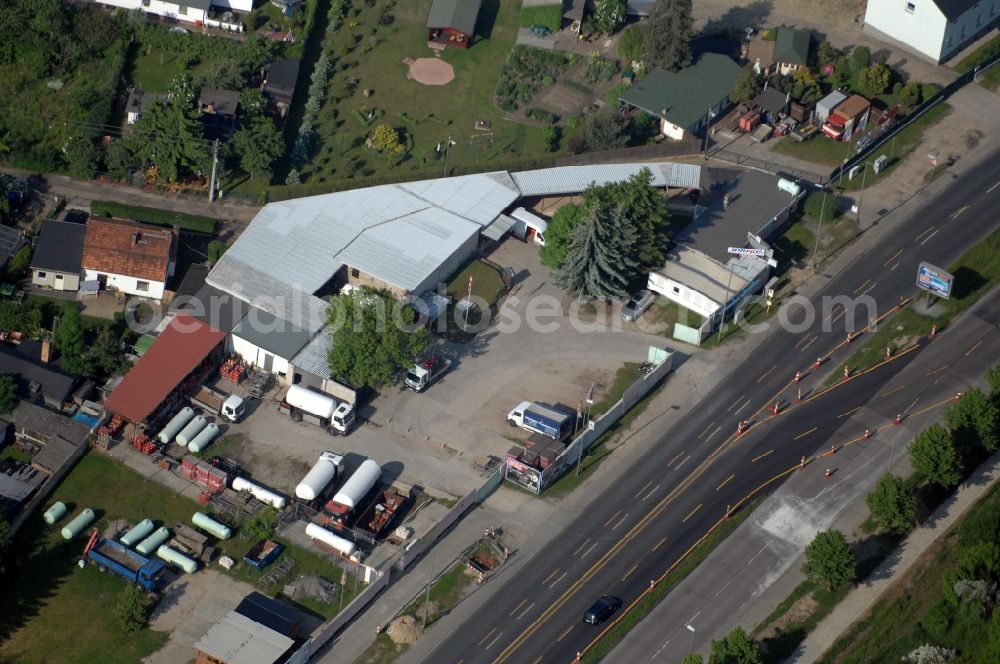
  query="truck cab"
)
[
  {"x": 343, "y": 418},
  {"x": 233, "y": 408},
  {"x": 421, "y": 375}
]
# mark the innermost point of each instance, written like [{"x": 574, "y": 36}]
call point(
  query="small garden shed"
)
[{"x": 453, "y": 22}]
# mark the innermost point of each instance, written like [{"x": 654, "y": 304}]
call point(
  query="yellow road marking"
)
[
  {"x": 978, "y": 344},
  {"x": 671, "y": 462},
  {"x": 629, "y": 573},
  {"x": 758, "y": 458},
  {"x": 488, "y": 635},
  {"x": 581, "y": 546},
  {"x": 554, "y": 572},
  {"x": 917, "y": 239},
  {"x": 894, "y": 390},
  {"x": 894, "y": 256},
  {"x": 938, "y": 370},
  {"x": 706, "y": 430},
  {"x": 725, "y": 482},
  {"x": 803, "y": 435},
  {"x": 645, "y": 486},
  {"x": 692, "y": 513},
  {"x": 608, "y": 522},
  {"x": 766, "y": 374},
  {"x": 959, "y": 211},
  {"x": 858, "y": 289},
  {"x": 563, "y": 635},
  {"x": 519, "y": 606},
  {"x": 658, "y": 545},
  {"x": 850, "y": 412},
  {"x": 835, "y": 309},
  {"x": 738, "y": 399}
]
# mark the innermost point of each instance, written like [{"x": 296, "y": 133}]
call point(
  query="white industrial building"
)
[
  {"x": 934, "y": 30},
  {"x": 407, "y": 238}
]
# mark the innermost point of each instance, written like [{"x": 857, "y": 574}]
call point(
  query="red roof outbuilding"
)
[{"x": 178, "y": 351}]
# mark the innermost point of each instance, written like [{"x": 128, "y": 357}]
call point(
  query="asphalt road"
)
[{"x": 668, "y": 500}]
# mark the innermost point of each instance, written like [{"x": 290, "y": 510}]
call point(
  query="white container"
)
[
  {"x": 359, "y": 484},
  {"x": 259, "y": 492},
  {"x": 319, "y": 477},
  {"x": 310, "y": 401},
  {"x": 193, "y": 428},
  {"x": 335, "y": 542},
  {"x": 177, "y": 423}
]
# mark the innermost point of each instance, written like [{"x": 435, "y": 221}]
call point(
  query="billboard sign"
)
[
  {"x": 934, "y": 280},
  {"x": 743, "y": 251}
]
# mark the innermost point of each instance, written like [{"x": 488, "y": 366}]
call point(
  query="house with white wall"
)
[
  {"x": 195, "y": 12},
  {"x": 933, "y": 30},
  {"x": 129, "y": 257}
]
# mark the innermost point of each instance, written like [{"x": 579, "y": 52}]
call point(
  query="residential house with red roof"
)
[{"x": 129, "y": 257}]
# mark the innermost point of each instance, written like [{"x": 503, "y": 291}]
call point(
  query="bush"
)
[
  {"x": 215, "y": 250},
  {"x": 632, "y": 45},
  {"x": 814, "y": 206},
  {"x": 157, "y": 217},
  {"x": 542, "y": 115},
  {"x": 551, "y": 136},
  {"x": 600, "y": 68}
]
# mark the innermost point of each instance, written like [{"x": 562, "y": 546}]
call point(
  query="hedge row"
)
[{"x": 187, "y": 222}]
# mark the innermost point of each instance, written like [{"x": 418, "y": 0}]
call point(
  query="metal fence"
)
[
  {"x": 761, "y": 165},
  {"x": 327, "y": 630},
  {"x": 942, "y": 95}
]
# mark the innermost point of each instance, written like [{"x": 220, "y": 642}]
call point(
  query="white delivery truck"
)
[
  {"x": 541, "y": 418},
  {"x": 301, "y": 403},
  {"x": 529, "y": 227},
  {"x": 421, "y": 375}
]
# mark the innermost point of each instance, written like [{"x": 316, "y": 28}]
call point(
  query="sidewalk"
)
[{"x": 861, "y": 599}]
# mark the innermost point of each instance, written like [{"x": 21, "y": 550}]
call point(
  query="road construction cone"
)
[
  {"x": 827, "y": 473},
  {"x": 833, "y": 450},
  {"x": 898, "y": 420},
  {"x": 819, "y": 361},
  {"x": 799, "y": 396},
  {"x": 847, "y": 373},
  {"x": 848, "y": 338},
  {"x": 729, "y": 512},
  {"x": 802, "y": 463},
  {"x": 868, "y": 434},
  {"x": 652, "y": 584},
  {"x": 888, "y": 352},
  {"x": 798, "y": 376},
  {"x": 775, "y": 409},
  {"x": 958, "y": 395},
  {"x": 933, "y": 331},
  {"x": 740, "y": 428}
]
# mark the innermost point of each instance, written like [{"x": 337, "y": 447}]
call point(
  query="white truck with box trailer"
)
[
  {"x": 542, "y": 419},
  {"x": 301, "y": 403}
]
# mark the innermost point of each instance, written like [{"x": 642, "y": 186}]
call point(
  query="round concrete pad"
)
[{"x": 432, "y": 71}]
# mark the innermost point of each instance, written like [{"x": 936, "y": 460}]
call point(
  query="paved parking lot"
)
[{"x": 431, "y": 439}]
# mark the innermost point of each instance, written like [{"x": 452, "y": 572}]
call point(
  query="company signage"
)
[
  {"x": 743, "y": 251},
  {"x": 934, "y": 280}
]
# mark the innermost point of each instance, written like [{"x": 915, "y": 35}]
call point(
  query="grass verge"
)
[
  {"x": 899, "y": 332},
  {"x": 650, "y": 599},
  {"x": 188, "y": 222},
  {"x": 548, "y": 15}
]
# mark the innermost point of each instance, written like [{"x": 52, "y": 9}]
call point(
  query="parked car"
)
[
  {"x": 602, "y": 609},
  {"x": 637, "y": 305}
]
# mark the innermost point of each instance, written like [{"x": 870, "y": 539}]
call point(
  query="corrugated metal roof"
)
[
  {"x": 500, "y": 225},
  {"x": 702, "y": 273},
  {"x": 275, "y": 335},
  {"x": 313, "y": 358},
  {"x": 573, "y": 179},
  {"x": 239, "y": 640}
]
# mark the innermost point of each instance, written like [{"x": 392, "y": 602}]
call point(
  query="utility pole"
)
[
  {"x": 819, "y": 233},
  {"x": 861, "y": 196},
  {"x": 427, "y": 597},
  {"x": 215, "y": 166},
  {"x": 729, "y": 285}
]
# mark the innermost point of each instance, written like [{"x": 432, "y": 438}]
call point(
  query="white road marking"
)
[
  {"x": 651, "y": 492},
  {"x": 911, "y": 405},
  {"x": 869, "y": 288},
  {"x": 754, "y": 556},
  {"x": 893, "y": 267},
  {"x": 493, "y": 641},
  {"x": 525, "y": 611},
  {"x": 717, "y": 430},
  {"x": 928, "y": 237},
  {"x": 682, "y": 462},
  {"x": 620, "y": 521},
  {"x": 742, "y": 407},
  {"x": 993, "y": 187},
  {"x": 810, "y": 343},
  {"x": 589, "y": 549},
  {"x": 563, "y": 576}
]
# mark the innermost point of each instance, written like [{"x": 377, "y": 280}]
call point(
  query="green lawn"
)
[
  {"x": 897, "y": 332},
  {"x": 486, "y": 282},
  {"x": 920, "y": 610},
  {"x": 548, "y": 15},
  {"x": 45, "y": 593},
  {"x": 991, "y": 78},
  {"x": 370, "y": 57},
  {"x": 627, "y": 374},
  {"x": 154, "y": 69},
  {"x": 976, "y": 272},
  {"x": 665, "y": 313},
  {"x": 819, "y": 149}
]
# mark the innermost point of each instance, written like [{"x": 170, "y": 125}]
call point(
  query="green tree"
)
[
  {"x": 83, "y": 156},
  {"x": 252, "y": 101},
  {"x": 993, "y": 380},
  {"x": 841, "y": 72},
  {"x": 18, "y": 264},
  {"x": 131, "y": 610},
  {"x": 385, "y": 139},
  {"x": 105, "y": 356},
  {"x": 609, "y": 16},
  {"x": 215, "y": 250},
  {"x": 736, "y": 647},
  {"x": 821, "y": 204},
  {"x": 225, "y": 74},
  {"x": 859, "y": 59},
  {"x": 827, "y": 53},
  {"x": 668, "y": 33},
  {"x": 934, "y": 456},
  {"x": 8, "y": 394},
  {"x": 642, "y": 207},
  {"x": 68, "y": 339},
  {"x": 558, "y": 233},
  {"x": 747, "y": 86},
  {"x": 550, "y": 136},
  {"x": 973, "y": 421},
  {"x": 830, "y": 560},
  {"x": 693, "y": 658},
  {"x": 168, "y": 135},
  {"x": 599, "y": 261},
  {"x": 891, "y": 504},
  {"x": 258, "y": 144},
  {"x": 373, "y": 337},
  {"x": 605, "y": 130},
  {"x": 261, "y": 524},
  {"x": 119, "y": 158},
  {"x": 910, "y": 95},
  {"x": 632, "y": 45},
  {"x": 874, "y": 80}
]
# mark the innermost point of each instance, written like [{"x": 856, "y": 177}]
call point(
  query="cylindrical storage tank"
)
[
  {"x": 318, "y": 477},
  {"x": 336, "y": 542},
  {"x": 176, "y": 424},
  {"x": 54, "y": 513},
  {"x": 79, "y": 522},
  {"x": 151, "y": 543},
  {"x": 202, "y": 440},
  {"x": 791, "y": 187},
  {"x": 177, "y": 558},
  {"x": 310, "y": 401},
  {"x": 137, "y": 533},
  {"x": 192, "y": 429},
  {"x": 211, "y": 526},
  {"x": 259, "y": 492},
  {"x": 359, "y": 484}
]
